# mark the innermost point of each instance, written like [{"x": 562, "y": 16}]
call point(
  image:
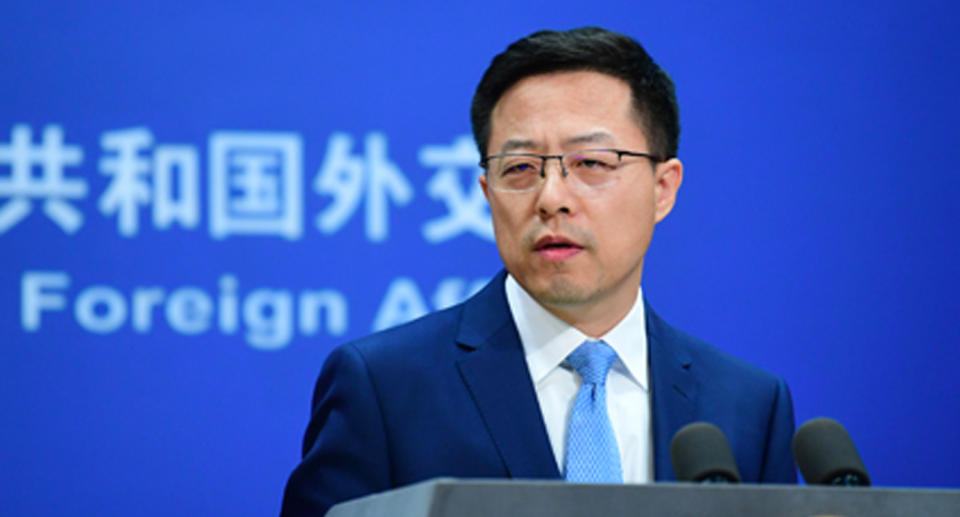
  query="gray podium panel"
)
[{"x": 482, "y": 498}]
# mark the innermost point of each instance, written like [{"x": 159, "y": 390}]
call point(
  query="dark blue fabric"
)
[{"x": 450, "y": 395}]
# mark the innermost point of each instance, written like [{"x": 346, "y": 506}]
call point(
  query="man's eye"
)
[
  {"x": 587, "y": 163},
  {"x": 518, "y": 168}
]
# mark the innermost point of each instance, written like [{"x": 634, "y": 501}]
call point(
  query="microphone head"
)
[
  {"x": 826, "y": 454},
  {"x": 700, "y": 453}
]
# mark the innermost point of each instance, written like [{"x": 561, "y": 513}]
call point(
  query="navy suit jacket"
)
[{"x": 450, "y": 395}]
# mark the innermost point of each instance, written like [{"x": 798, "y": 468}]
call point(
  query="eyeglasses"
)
[{"x": 590, "y": 168}]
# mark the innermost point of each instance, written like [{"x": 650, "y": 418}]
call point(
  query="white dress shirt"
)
[{"x": 548, "y": 340}]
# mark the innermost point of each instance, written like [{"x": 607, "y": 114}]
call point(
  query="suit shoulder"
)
[
  {"x": 712, "y": 353},
  {"x": 713, "y": 361},
  {"x": 435, "y": 334},
  {"x": 418, "y": 336}
]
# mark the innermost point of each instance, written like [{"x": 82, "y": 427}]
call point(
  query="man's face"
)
[{"x": 577, "y": 252}]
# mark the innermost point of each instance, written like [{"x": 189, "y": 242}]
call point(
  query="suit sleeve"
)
[
  {"x": 778, "y": 464},
  {"x": 344, "y": 447}
]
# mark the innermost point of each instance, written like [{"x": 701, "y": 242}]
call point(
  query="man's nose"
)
[{"x": 555, "y": 196}]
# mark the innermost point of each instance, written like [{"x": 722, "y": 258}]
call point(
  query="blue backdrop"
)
[{"x": 199, "y": 200}]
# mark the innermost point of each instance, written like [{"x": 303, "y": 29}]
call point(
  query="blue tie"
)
[{"x": 592, "y": 452}]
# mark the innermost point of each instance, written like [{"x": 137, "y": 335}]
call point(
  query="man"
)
[{"x": 557, "y": 368}]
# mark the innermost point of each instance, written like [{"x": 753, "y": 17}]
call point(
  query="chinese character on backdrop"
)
[
  {"x": 467, "y": 210},
  {"x": 350, "y": 179},
  {"x": 168, "y": 179},
  {"x": 256, "y": 184},
  {"x": 20, "y": 186}
]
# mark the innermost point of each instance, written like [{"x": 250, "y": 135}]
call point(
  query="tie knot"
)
[{"x": 592, "y": 360}]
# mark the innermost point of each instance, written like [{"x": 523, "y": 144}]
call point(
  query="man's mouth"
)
[{"x": 556, "y": 248}]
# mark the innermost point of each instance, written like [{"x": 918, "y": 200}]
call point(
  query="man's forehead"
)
[{"x": 566, "y": 110}]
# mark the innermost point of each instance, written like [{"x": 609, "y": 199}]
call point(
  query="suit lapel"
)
[
  {"x": 675, "y": 390},
  {"x": 496, "y": 374}
]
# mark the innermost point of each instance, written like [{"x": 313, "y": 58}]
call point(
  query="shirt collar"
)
[{"x": 548, "y": 340}]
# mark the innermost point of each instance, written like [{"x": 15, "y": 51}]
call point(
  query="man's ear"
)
[
  {"x": 668, "y": 176},
  {"x": 483, "y": 184}
]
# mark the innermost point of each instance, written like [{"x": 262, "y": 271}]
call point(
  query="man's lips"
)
[{"x": 556, "y": 248}]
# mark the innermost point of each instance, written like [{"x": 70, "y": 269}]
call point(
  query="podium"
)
[{"x": 445, "y": 497}]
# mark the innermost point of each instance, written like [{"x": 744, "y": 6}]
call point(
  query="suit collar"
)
[
  {"x": 496, "y": 374},
  {"x": 675, "y": 389},
  {"x": 484, "y": 315},
  {"x": 547, "y": 340}
]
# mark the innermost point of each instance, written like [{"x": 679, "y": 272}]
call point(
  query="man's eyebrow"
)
[
  {"x": 526, "y": 145},
  {"x": 515, "y": 145},
  {"x": 589, "y": 138}
]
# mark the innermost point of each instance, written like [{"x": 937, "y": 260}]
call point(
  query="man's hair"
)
[{"x": 592, "y": 49}]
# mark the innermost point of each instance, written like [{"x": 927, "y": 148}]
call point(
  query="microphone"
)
[
  {"x": 700, "y": 453},
  {"x": 826, "y": 455}
]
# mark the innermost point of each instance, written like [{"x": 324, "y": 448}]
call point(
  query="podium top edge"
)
[{"x": 445, "y": 482}]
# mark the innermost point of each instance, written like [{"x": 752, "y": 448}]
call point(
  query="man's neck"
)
[{"x": 596, "y": 317}]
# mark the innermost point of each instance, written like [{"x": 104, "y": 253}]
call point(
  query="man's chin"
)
[{"x": 560, "y": 292}]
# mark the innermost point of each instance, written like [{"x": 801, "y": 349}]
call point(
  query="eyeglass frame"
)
[{"x": 485, "y": 161}]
